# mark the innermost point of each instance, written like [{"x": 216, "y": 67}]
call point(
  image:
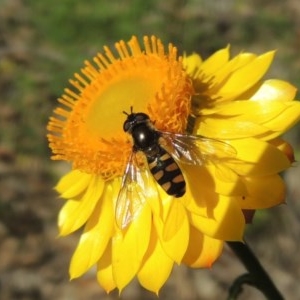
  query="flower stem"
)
[{"x": 257, "y": 276}]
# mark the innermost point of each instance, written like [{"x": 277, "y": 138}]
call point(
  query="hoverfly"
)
[{"x": 162, "y": 151}]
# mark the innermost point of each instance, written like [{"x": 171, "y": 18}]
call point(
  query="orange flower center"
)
[{"x": 87, "y": 128}]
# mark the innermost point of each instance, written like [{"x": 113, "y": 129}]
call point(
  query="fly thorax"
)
[{"x": 144, "y": 137}]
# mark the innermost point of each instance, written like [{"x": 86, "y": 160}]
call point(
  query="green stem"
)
[{"x": 257, "y": 276}]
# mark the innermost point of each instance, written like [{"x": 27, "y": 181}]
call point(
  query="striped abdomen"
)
[{"x": 167, "y": 173}]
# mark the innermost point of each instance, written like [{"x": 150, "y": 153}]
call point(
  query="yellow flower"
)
[{"x": 220, "y": 99}]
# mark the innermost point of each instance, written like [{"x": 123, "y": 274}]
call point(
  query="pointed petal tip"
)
[{"x": 72, "y": 276}]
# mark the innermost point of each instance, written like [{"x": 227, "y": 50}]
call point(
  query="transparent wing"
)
[
  {"x": 131, "y": 197},
  {"x": 195, "y": 149}
]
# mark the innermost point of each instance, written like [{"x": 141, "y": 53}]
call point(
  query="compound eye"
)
[
  {"x": 141, "y": 117},
  {"x": 126, "y": 126}
]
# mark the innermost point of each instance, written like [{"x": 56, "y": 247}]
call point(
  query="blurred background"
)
[{"x": 42, "y": 43}]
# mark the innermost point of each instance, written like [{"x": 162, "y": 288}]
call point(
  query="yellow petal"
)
[
  {"x": 73, "y": 184},
  {"x": 226, "y": 220},
  {"x": 205, "y": 183},
  {"x": 263, "y": 192},
  {"x": 215, "y": 61},
  {"x": 221, "y": 75},
  {"x": 75, "y": 213},
  {"x": 200, "y": 189},
  {"x": 156, "y": 267},
  {"x": 202, "y": 250},
  {"x": 176, "y": 217},
  {"x": 274, "y": 90},
  {"x": 246, "y": 118},
  {"x": 245, "y": 77},
  {"x": 191, "y": 204},
  {"x": 155, "y": 193},
  {"x": 174, "y": 232},
  {"x": 217, "y": 127},
  {"x": 129, "y": 247},
  {"x": 104, "y": 270},
  {"x": 234, "y": 186},
  {"x": 287, "y": 118},
  {"x": 285, "y": 147},
  {"x": 256, "y": 111},
  {"x": 191, "y": 63},
  {"x": 255, "y": 157},
  {"x": 95, "y": 237}
]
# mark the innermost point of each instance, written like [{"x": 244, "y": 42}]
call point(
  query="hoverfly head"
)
[{"x": 134, "y": 119}]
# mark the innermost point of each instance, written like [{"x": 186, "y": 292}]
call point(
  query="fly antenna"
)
[{"x": 131, "y": 111}]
